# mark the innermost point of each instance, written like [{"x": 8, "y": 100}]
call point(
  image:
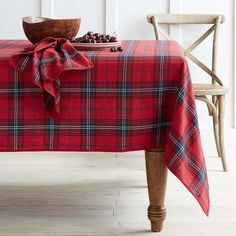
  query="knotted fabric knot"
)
[{"x": 45, "y": 61}]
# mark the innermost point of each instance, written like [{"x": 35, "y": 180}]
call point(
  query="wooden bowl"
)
[{"x": 37, "y": 28}]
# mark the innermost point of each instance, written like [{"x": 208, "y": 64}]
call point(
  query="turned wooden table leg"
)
[{"x": 156, "y": 178}]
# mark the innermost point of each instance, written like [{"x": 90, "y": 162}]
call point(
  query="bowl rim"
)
[{"x": 28, "y": 19}]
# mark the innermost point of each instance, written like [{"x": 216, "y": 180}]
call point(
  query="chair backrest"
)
[{"x": 176, "y": 19}]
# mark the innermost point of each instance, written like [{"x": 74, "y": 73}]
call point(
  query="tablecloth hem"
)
[
  {"x": 79, "y": 150},
  {"x": 206, "y": 206}
]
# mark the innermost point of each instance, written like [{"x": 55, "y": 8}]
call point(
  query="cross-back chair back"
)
[{"x": 212, "y": 94}]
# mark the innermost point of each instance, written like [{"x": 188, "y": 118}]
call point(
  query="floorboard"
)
[{"x": 88, "y": 194}]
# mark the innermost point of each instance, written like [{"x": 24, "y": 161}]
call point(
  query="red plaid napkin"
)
[{"x": 45, "y": 61}]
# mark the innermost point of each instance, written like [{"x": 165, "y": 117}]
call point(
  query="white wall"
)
[
  {"x": 91, "y": 12},
  {"x": 11, "y": 13},
  {"x": 127, "y": 17}
]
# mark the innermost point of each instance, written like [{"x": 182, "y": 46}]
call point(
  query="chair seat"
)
[{"x": 209, "y": 89}]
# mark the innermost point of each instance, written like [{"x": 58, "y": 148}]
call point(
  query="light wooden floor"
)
[{"x": 70, "y": 194}]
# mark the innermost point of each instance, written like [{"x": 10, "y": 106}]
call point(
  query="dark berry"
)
[
  {"x": 113, "y": 39},
  {"x": 89, "y": 33},
  {"x": 103, "y": 36},
  {"x": 79, "y": 40},
  {"x": 85, "y": 37},
  {"x": 120, "y": 49},
  {"x": 96, "y": 34},
  {"x": 105, "y": 40},
  {"x": 113, "y": 49},
  {"x": 87, "y": 41}
]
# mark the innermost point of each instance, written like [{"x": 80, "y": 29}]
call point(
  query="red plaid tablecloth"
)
[{"x": 137, "y": 99}]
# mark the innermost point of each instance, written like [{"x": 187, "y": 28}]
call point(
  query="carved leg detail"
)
[
  {"x": 156, "y": 178},
  {"x": 157, "y": 215}
]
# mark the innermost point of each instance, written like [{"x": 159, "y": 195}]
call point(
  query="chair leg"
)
[
  {"x": 216, "y": 135},
  {"x": 216, "y": 128},
  {"x": 156, "y": 178},
  {"x": 221, "y": 131}
]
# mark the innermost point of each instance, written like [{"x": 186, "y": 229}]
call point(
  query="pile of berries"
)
[
  {"x": 91, "y": 37},
  {"x": 114, "y": 49}
]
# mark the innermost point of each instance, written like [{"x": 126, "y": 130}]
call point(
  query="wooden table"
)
[{"x": 137, "y": 99}]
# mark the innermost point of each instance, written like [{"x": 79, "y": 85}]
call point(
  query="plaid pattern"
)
[
  {"x": 45, "y": 61},
  {"x": 137, "y": 99}
]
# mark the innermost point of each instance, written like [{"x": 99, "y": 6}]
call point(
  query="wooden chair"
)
[{"x": 213, "y": 94}]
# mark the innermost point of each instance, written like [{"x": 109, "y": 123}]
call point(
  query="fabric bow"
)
[{"x": 45, "y": 61}]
